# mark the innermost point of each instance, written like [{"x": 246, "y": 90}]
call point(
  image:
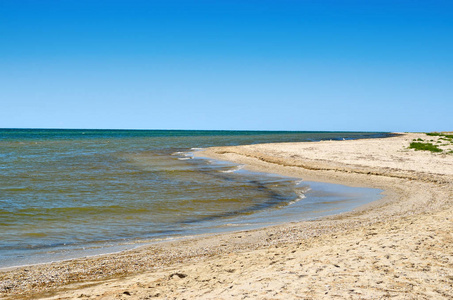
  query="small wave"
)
[
  {"x": 298, "y": 198},
  {"x": 297, "y": 182},
  {"x": 14, "y": 188},
  {"x": 300, "y": 192},
  {"x": 35, "y": 234},
  {"x": 183, "y": 155},
  {"x": 235, "y": 169},
  {"x": 178, "y": 153},
  {"x": 65, "y": 211},
  {"x": 196, "y": 149}
]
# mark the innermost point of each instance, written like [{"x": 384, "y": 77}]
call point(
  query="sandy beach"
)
[{"x": 399, "y": 247}]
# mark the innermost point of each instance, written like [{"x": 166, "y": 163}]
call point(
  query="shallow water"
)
[{"x": 69, "y": 193}]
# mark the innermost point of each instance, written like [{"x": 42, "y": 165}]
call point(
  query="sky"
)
[{"x": 227, "y": 65}]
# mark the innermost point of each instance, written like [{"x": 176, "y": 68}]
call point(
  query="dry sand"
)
[{"x": 400, "y": 247}]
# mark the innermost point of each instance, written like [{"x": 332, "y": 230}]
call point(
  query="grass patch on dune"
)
[
  {"x": 449, "y": 136},
  {"x": 424, "y": 147}
]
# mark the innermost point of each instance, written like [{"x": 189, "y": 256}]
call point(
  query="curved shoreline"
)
[
  {"x": 397, "y": 181},
  {"x": 417, "y": 203}
]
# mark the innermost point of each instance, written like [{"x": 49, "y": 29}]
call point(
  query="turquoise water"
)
[{"x": 69, "y": 193}]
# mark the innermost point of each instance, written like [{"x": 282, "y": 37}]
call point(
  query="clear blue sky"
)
[{"x": 266, "y": 65}]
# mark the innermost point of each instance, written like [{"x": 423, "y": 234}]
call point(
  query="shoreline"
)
[
  {"x": 413, "y": 193},
  {"x": 279, "y": 216}
]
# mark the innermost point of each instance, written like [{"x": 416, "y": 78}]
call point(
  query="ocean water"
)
[{"x": 71, "y": 193}]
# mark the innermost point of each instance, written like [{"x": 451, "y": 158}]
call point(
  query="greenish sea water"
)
[{"x": 70, "y": 193}]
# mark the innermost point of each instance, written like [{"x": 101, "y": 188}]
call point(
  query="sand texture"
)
[{"x": 400, "y": 247}]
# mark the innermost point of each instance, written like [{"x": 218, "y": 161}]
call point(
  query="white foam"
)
[
  {"x": 178, "y": 153},
  {"x": 300, "y": 192},
  {"x": 300, "y": 196},
  {"x": 184, "y": 155},
  {"x": 298, "y": 182},
  {"x": 235, "y": 169}
]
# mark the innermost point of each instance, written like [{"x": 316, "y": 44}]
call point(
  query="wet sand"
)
[{"x": 399, "y": 247}]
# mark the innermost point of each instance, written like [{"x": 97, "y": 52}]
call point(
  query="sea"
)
[{"x": 73, "y": 193}]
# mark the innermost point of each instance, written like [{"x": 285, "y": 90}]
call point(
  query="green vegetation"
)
[
  {"x": 425, "y": 147},
  {"x": 449, "y": 136},
  {"x": 433, "y": 133},
  {"x": 443, "y": 140}
]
